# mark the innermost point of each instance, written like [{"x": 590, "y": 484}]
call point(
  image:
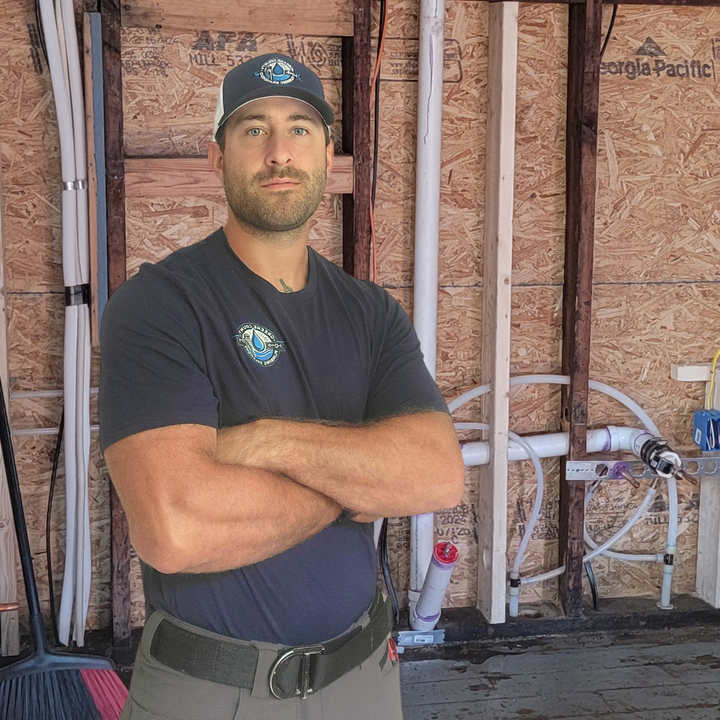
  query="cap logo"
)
[{"x": 277, "y": 72}]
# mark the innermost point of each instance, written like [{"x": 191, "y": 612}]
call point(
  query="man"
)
[{"x": 259, "y": 409}]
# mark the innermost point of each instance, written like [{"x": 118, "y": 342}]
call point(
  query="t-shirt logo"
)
[{"x": 259, "y": 343}]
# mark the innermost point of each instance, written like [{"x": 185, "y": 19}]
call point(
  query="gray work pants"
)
[{"x": 370, "y": 691}]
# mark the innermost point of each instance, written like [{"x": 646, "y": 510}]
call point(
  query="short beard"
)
[{"x": 278, "y": 217}]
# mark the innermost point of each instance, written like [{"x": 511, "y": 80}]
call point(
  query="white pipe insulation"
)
[{"x": 427, "y": 229}]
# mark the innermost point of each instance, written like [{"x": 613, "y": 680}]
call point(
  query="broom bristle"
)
[
  {"x": 55, "y": 695},
  {"x": 108, "y": 692}
]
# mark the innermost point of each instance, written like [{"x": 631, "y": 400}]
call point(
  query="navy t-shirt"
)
[{"x": 199, "y": 338}]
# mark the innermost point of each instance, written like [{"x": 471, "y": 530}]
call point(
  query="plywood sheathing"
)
[
  {"x": 656, "y": 283},
  {"x": 171, "y": 80},
  {"x": 158, "y": 226}
]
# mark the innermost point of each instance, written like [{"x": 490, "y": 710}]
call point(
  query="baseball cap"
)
[{"x": 270, "y": 75}]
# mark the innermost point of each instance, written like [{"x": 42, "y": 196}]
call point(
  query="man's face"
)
[{"x": 275, "y": 164}]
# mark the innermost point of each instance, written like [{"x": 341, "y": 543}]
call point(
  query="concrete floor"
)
[{"x": 670, "y": 675}]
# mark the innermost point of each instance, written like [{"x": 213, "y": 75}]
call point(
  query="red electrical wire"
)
[{"x": 381, "y": 47}]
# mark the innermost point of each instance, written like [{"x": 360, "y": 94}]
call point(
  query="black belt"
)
[{"x": 297, "y": 671}]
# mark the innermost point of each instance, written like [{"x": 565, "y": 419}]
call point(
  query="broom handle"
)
[{"x": 20, "y": 527}]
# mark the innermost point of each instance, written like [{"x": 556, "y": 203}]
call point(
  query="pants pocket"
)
[
  {"x": 161, "y": 693},
  {"x": 367, "y": 691}
]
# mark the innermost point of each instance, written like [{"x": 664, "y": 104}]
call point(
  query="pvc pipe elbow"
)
[{"x": 629, "y": 439}]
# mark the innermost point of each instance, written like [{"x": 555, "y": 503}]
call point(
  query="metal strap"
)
[
  {"x": 75, "y": 185},
  {"x": 77, "y": 295}
]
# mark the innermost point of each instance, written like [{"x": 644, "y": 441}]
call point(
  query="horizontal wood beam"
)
[
  {"x": 331, "y": 17},
  {"x": 192, "y": 176}
]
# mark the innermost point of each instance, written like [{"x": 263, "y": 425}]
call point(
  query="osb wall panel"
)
[
  {"x": 30, "y": 157},
  {"x": 171, "y": 80},
  {"x": 656, "y": 232},
  {"x": 463, "y": 146},
  {"x": 655, "y": 279},
  {"x": 155, "y": 227},
  {"x": 658, "y": 160}
]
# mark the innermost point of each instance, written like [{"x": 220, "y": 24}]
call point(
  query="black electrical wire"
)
[
  {"x": 48, "y": 552},
  {"x": 376, "y": 122},
  {"x": 593, "y": 586},
  {"x": 41, "y": 34},
  {"x": 609, "y": 31},
  {"x": 383, "y": 547}
]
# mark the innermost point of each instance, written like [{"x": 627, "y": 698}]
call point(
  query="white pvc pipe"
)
[
  {"x": 557, "y": 444},
  {"x": 671, "y": 547},
  {"x": 609, "y": 439},
  {"x": 427, "y": 228},
  {"x": 426, "y": 613}
]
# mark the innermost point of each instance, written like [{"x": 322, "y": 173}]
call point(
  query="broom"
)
[{"x": 47, "y": 685}]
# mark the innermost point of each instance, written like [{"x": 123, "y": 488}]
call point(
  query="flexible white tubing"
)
[
  {"x": 80, "y": 360},
  {"x": 601, "y": 548},
  {"x": 60, "y": 91},
  {"x": 525, "y": 541},
  {"x": 61, "y": 96},
  {"x": 67, "y": 597},
  {"x": 610, "y": 439},
  {"x": 630, "y": 557},
  {"x": 629, "y": 403},
  {"x": 64, "y": 64},
  {"x": 427, "y": 230}
]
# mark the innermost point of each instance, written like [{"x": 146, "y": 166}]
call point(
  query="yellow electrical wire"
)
[{"x": 708, "y": 401}]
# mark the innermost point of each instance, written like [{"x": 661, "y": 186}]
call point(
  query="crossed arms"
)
[{"x": 200, "y": 500}]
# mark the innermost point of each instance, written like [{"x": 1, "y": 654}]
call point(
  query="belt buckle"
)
[{"x": 304, "y": 689}]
